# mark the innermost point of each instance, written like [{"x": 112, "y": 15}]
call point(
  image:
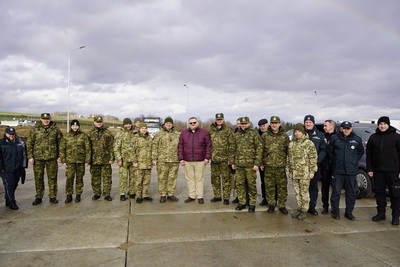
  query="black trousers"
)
[
  {"x": 326, "y": 177},
  {"x": 383, "y": 180}
]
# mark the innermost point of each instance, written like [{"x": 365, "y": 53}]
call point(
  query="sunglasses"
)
[{"x": 193, "y": 122}]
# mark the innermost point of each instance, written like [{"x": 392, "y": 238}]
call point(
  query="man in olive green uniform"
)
[
  {"x": 43, "y": 152},
  {"x": 142, "y": 163},
  {"x": 247, "y": 158},
  {"x": 75, "y": 154},
  {"x": 275, "y": 149},
  {"x": 165, "y": 157},
  {"x": 222, "y": 146},
  {"x": 123, "y": 151},
  {"x": 102, "y": 142}
]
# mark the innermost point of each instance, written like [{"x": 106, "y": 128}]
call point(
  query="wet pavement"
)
[{"x": 124, "y": 233}]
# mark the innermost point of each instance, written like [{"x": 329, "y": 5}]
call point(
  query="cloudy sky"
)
[{"x": 336, "y": 59}]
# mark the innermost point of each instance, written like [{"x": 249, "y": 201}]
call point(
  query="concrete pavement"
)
[{"x": 102, "y": 233}]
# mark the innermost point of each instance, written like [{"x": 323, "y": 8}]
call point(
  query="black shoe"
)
[
  {"x": 240, "y": 207},
  {"x": 236, "y": 200},
  {"x": 312, "y": 211},
  {"x": 264, "y": 202},
  {"x": 349, "y": 216},
  {"x": 163, "y": 199},
  {"x": 139, "y": 200},
  {"x": 215, "y": 199},
  {"x": 271, "y": 209},
  {"x": 108, "y": 198},
  {"x": 283, "y": 210},
  {"x": 395, "y": 220},
  {"x": 78, "y": 198},
  {"x": 148, "y": 198},
  {"x": 68, "y": 199},
  {"x": 95, "y": 197},
  {"x": 252, "y": 208},
  {"x": 379, "y": 217},
  {"x": 122, "y": 198},
  {"x": 13, "y": 205},
  {"x": 324, "y": 211},
  {"x": 53, "y": 200},
  {"x": 172, "y": 198},
  {"x": 226, "y": 201},
  {"x": 37, "y": 201},
  {"x": 132, "y": 195},
  {"x": 336, "y": 215}
]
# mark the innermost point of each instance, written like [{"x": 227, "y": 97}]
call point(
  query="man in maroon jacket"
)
[{"x": 194, "y": 154}]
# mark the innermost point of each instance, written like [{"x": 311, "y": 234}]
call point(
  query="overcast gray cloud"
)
[{"x": 334, "y": 59}]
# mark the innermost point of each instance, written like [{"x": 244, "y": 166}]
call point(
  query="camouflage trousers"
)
[
  {"x": 142, "y": 182},
  {"x": 302, "y": 195},
  {"x": 221, "y": 173},
  {"x": 74, "y": 170},
  {"x": 276, "y": 181},
  {"x": 101, "y": 174},
  {"x": 249, "y": 175},
  {"x": 167, "y": 176},
  {"x": 127, "y": 176},
  {"x": 51, "y": 167}
]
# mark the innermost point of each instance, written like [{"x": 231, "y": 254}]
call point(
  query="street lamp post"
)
[
  {"x": 69, "y": 91},
  {"x": 187, "y": 100}
]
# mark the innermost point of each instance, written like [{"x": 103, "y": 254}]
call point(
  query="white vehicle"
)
[{"x": 153, "y": 125}]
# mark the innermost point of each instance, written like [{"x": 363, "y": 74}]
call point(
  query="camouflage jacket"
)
[
  {"x": 44, "y": 141},
  {"x": 124, "y": 145},
  {"x": 142, "y": 151},
  {"x": 165, "y": 145},
  {"x": 247, "y": 148},
  {"x": 302, "y": 158},
  {"x": 222, "y": 143},
  {"x": 275, "y": 148},
  {"x": 102, "y": 143},
  {"x": 75, "y": 148}
]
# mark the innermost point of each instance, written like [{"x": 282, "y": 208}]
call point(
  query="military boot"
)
[
  {"x": 68, "y": 199},
  {"x": 78, "y": 198}
]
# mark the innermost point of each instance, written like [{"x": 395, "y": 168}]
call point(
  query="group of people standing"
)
[{"x": 235, "y": 157}]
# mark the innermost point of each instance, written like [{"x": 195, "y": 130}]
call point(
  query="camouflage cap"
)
[
  {"x": 219, "y": 116},
  {"x": 275, "y": 119},
  {"x": 45, "y": 116},
  {"x": 142, "y": 124},
  {"x": 98, "y": 119},
  {"x": 244, "y": 120}
]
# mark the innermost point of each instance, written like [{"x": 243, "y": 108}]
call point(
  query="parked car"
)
[{"x": 365, "y": 183}]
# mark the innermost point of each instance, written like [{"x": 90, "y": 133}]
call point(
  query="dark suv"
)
[{"x": 365, "y": 183}]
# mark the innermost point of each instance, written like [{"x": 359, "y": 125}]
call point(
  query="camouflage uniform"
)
[
  {"x": 274, "y": 160},
  {"x": 165, "y": 152},
  {"x": 302, "y": 161},
  {"x": 142, "y": 156},
  {"x": 75, "y": 151},
  {"x": 102, "y": 143},
  {"x": 222, "y": 149},
  {"x": 43, "y": 146},
  {"x": 123, "y": 151},
  {"x": 248, "y": 152}
]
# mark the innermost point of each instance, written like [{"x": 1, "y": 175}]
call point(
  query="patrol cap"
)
[
  {"x": 275, "y": 119},
  {"x": 45, "y": 116},
  {"x": 168, "y": 119},
  {"x": 137, "y": 119},
  {"x": 10, "y": 130},
  {"x": 142, "y": 124},
  {"x": 219, "y": 116},
  {"x": 346, "y": 124},
  {"x": 98, "y": 119},
  {"x": 244, "y": 120},
  {"x": 262, "y": 122}
]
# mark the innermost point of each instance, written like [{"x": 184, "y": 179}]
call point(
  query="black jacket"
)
[
  {"x": 12, "y": 154},
  {"x": 345, "y": 153},
  {"x": 383, "y": 151},
  {"x": 318, "y": 140}
]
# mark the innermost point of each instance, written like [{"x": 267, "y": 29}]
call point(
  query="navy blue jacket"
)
[
  {"x": 383, "y": 151},
  {"x": 12, "y": 154},
  {"x": 345, "y": 152},
  {"x": 318, "y": 140}
]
